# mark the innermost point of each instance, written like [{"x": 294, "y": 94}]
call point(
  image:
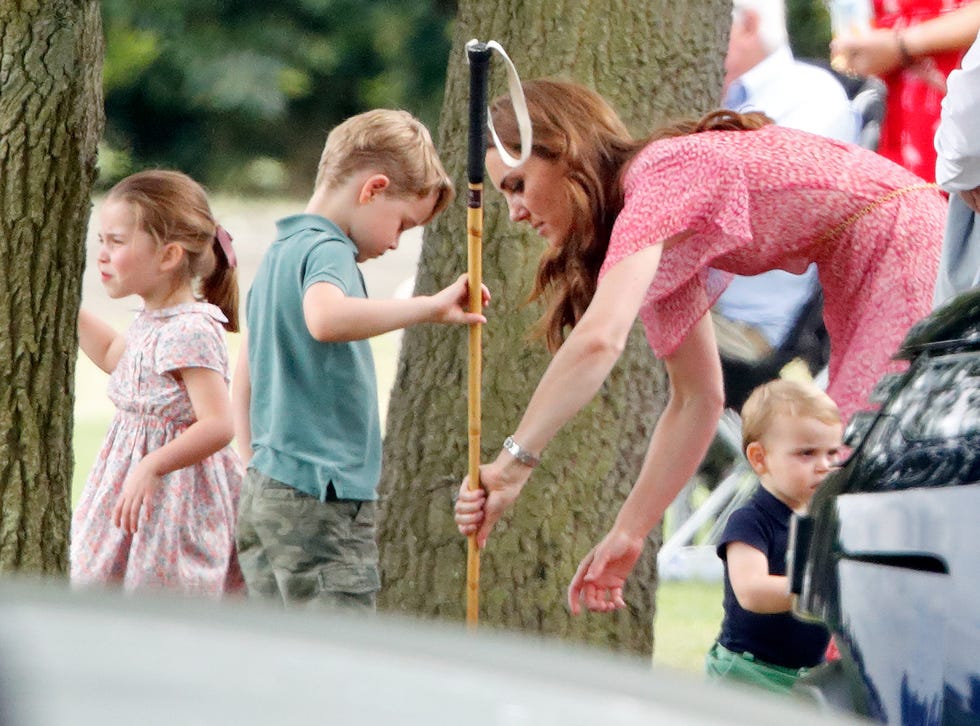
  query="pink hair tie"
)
[{"x": 224, "y": 239}]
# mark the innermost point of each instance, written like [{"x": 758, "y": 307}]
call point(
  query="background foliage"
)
[
  {"x": 240, "y": 95},
  {"x": 809, "y": 28}
]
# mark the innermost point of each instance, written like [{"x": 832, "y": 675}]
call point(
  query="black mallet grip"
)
[{"x": 479, "y": 58}]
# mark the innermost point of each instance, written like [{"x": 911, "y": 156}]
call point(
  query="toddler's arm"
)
[
  {"x": 241, "y": 399},
  {"x": 211, "y": 431},
  {"x": 331, "y": 316},
  {"x": 756, "y": 590},
  {"x": 103, "y": 345}
]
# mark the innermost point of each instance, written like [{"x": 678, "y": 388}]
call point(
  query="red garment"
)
[
  {"x": 915, "y": 93},
  {"x": 782, "y": 198}
]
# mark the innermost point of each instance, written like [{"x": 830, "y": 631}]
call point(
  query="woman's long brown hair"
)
[{"x": 574, "y": 126}]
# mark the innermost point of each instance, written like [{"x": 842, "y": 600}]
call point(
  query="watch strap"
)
[{"x": 520, "y": 453}]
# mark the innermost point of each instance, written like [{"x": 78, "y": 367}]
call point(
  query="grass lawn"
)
[{"x": 687, "y": 622}]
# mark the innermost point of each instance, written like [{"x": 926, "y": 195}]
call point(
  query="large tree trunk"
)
[
  {"x": 50, "y": 122},
  {"x": 652, "y": 60}
]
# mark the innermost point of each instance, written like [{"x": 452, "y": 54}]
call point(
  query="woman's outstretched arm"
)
[
  {"x": 679, "y": 442},
  {"x": 572, "y": 379}
]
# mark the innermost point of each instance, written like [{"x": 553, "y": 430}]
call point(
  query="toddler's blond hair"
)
[{"x": 791, "y": 398}]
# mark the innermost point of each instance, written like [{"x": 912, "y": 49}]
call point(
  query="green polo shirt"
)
[{"x": 314, "y": 406}]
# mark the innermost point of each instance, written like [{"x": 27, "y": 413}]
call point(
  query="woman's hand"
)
[
  {"x": 874, "y": 52},
  {"x": 599, "y": 580},
  {"x": 141, "y": 482},
  {"x": 879, "y": 52},
  {"x": 478, "y": 510}
]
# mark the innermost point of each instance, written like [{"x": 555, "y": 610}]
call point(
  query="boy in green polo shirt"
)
[{"x": 305, "y": 396}]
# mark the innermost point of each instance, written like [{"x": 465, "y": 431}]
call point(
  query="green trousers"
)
[{"x": 723, "y": 664}]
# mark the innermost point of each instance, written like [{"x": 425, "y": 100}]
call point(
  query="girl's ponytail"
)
[
  {"x": 172, "y": 207},
  {"x": 220, "y": 287}
]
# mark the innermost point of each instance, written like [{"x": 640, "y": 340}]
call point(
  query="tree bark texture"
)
[
  {"x": 51, "y": 119},
  {"x": 654, "y": 61}
]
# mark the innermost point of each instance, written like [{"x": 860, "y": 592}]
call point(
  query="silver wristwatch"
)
[{"x": 521, "y": 454}]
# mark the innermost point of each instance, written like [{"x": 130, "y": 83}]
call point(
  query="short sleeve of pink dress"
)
[{"x": 667, "y": 193}]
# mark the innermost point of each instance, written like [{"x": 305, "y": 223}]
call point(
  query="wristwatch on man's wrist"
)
[{"x": 521, "y": 454}]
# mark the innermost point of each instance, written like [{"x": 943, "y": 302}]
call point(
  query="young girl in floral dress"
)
[{"x": 159, "y": 507}]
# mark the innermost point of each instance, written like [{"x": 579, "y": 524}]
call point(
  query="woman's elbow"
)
[
  {"x": 604, "y": 345},
  {"x": 761, "y": 605},
  {"x": 747, "y": 601},
  {"x": 714, "y": 401},
  {"x": 708, "y": 400}
]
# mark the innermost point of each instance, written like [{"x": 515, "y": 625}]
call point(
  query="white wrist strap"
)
[{"x": 520, "y": 111}]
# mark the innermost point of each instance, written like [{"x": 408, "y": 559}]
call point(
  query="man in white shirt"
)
[
  {"x": 958, "y": 172},
  {"x": 792, "y": 93},
  {"x": 762, "y": 75}
]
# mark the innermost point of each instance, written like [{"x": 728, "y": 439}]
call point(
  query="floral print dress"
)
[
  {"x": 188, "y": 542},
  {"x": 779, "y": 198}
]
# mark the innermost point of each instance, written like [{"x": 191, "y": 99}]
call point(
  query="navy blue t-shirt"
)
[{"x": 777, "y": 638}]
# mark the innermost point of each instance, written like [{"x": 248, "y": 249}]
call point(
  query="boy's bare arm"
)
[
  {"x": 241, "y": 398},
  {"x": 331, "y": 316},
  {"x": 756, "y": 590}
]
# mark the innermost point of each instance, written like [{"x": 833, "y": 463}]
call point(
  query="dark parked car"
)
[{"x": 889, "y": 555}]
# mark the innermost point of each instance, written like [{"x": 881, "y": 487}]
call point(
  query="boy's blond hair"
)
[
  {"x": 393, "y": 143},
  {"x": 791, "y": 398}
]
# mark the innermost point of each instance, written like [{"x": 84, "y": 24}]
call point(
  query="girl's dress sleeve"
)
[{"x": 191, "y": 341}]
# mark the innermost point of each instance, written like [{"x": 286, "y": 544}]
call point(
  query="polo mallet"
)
[{"x": 478, "y": 55}]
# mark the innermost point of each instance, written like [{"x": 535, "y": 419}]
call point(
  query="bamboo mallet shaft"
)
[{"x": 479, "y": 59}]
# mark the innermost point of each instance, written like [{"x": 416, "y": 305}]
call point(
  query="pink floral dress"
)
[
  {"x": 782, "y": 198},
  {"x": 188, "y": 542}
]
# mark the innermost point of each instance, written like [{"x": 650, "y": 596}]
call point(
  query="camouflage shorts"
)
[{"x": 300, "y": 551}]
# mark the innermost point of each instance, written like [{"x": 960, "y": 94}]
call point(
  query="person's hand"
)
[
  {"x": 873, "y": 52},
  {"x": 137, "y": 490},
  {"x": 878, "y": 52},
  {"x": 478, "y": 510},
  {"x": 972, "y": 198},
  {"x": 598, "y": 582},
  {"x": 452, "y": 303}
]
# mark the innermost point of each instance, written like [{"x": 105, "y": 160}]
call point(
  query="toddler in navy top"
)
[{"x": 791, "y": 436}]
